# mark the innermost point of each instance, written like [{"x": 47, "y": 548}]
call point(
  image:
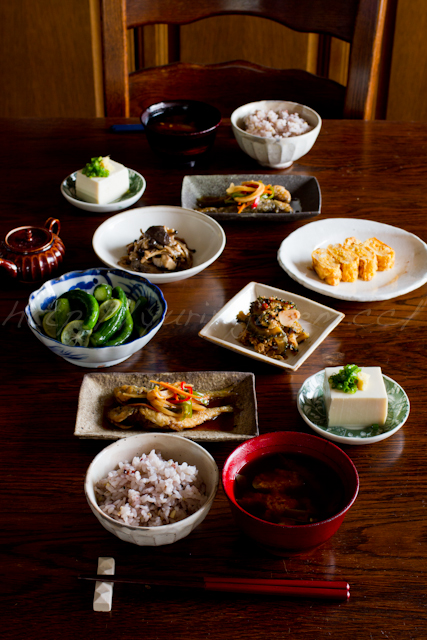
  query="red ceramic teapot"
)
[{"x": 33, "y": 254}]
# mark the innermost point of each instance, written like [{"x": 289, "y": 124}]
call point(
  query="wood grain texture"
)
[
  {"x": 49, "y": 59},
  {"x": 360, "y": 22},
  {"x": 249, "y": 38},
  {"x": 408, "y": 79},
  {"x": 48, "y": 534}
]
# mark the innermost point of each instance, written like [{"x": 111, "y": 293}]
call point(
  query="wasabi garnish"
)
[
  {"x": 346, "y": 379},
  {"x": 96, "y": 169}
]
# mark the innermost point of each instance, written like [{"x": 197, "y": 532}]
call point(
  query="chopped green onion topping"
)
[
  {"x": 95, "y": 169},
  {"x": 346, "y": 379}
]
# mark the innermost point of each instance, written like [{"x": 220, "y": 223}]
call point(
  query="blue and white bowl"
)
[{"x": 133, "y": 285}]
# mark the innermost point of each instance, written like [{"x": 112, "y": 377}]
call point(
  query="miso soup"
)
[{"x": 289, "y": 489}]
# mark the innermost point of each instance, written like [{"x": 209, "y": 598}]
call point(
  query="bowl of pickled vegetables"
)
[{"x": 97, "y": 317}]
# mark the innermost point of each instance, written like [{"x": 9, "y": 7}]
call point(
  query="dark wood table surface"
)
[{"x": 374, "y": 171}]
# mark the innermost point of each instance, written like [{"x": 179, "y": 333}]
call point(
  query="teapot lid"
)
[{"x": 28, "y": 239}]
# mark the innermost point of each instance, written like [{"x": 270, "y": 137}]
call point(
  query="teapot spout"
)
[{"x": 9, "y": 266}]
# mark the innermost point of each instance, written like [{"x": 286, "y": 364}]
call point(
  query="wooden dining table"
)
[{"x": 49, "y": 537}]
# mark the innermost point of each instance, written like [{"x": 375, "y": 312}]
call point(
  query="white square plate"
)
[{"x": 316, "y": 319}]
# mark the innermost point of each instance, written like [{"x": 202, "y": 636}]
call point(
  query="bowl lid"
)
[{"x": 28, "y": 239}]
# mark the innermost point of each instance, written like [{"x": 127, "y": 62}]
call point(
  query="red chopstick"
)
[{"x": 322, "y": 589}]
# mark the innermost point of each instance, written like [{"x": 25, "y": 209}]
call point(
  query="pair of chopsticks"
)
[{"x": 323, "y": 589}]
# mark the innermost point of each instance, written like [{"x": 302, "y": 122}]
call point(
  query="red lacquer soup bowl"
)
[{"x": 317, "y": 466}]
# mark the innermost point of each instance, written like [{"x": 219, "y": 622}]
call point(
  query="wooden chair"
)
[{"x": 359, "y": 22}]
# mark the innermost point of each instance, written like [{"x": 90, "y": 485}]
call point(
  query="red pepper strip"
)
[
  {"x": 184, "y": 387},
  {"x": 256, "y": 202}
]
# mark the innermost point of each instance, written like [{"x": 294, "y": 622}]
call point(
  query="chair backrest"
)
[{"x": 359, "y": 22}]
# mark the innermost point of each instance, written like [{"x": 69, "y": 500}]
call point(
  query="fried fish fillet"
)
[{"x": 134, "y": 415}]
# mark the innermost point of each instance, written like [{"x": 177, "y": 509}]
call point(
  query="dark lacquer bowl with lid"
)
[
  {"x": 33, "y": 254},
  {"x": 181, "y": 131}
]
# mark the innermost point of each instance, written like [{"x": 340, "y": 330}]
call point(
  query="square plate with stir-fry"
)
[
  {"x": 284, "y": 198},
  {"x": 271, "y": 325},
  {"x": 209, "y": 406}
]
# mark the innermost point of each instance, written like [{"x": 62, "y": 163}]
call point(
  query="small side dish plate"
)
[
  {"x": 97, "y": 389},
  {"x": 312, "y": 409},
  {"x": 317, "y": 319},
  {"x": 409, "y": 272},
  {"x": 137, "y": 186},
  {"x": 305, "y": 192}
]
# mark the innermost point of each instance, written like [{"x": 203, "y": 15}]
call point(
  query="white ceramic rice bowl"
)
[
  {"x": 171, "y": 446},
  {"x": 89, "y": 357},
  {"x": 277, "y": 154},
  {"x": 202, "y": 234}
]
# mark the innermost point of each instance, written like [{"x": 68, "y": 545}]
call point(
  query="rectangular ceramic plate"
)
[
  {"x": 305, "y": 192},
  {"x": 316, "y": 319},
  {"x": 97, "y": 388}
]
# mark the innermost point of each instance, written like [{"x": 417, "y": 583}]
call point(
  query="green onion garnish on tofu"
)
[
  {"x": 96, "y": 169},
  {"x": 346, "y": 379}
]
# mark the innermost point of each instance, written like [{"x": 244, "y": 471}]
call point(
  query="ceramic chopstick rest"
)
[{"x": 103, "y": 597}]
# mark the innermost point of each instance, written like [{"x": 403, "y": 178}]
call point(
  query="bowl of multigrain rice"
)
[
  {"x": 151, "y": 489},
  {"x": 275, "y": 133}
]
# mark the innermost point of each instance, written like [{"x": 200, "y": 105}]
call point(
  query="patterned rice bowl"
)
[
  {"x": 134, "y": 286},
  {"x": 312, "y": 409}
]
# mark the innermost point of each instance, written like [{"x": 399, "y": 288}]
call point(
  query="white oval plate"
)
[
  {"x": 137, "y": 186},
  {"x": 408, "y": 273},
  {"x": 201, "y": 232},
  {"x": 312, "y": 409}
]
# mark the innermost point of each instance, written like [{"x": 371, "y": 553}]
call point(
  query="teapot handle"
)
[
  {"x": 50, "y": 224},
  {"x": 9, "y": 266}
]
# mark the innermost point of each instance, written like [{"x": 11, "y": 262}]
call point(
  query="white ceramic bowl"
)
[
  {"x": 171, "y": 446},
  {"x": 94, "y": 358},
  {"x": 272, "y": 153},
  {"x": 201, "y": 232},
  {"x": 137, "y": 186}
]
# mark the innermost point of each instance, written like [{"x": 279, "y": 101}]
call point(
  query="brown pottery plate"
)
[{"x": 96, "y": 395}]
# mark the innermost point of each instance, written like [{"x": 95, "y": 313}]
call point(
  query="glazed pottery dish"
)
[
  {"x": 137, "y": 186},
  {"x": 313, "y": 411},
  {"x": 289, "y": 491},
  {"x": 316, "y": 320},
  {"x": 165, "y": 447},
  {"x": 306, "y": 199},
  {"x": 408, "y": 273},
  {"x": 204, "y": 237},
  {"x": 277, "y": 152},
  {"x": 134, "y": 286},
  {"x": 97, "y": 395}
]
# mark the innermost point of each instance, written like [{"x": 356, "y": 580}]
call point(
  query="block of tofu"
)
[
  {"x": 364, "y": 408},
  {"x": 103, "y": 190},
  {"x": 368, "y": 263},
  {"x": 326, "y": 267}
]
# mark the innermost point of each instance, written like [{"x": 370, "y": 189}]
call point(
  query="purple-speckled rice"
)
[
  {"x": 275, "y": 124},
  {"x": 151, "y": 491}
]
